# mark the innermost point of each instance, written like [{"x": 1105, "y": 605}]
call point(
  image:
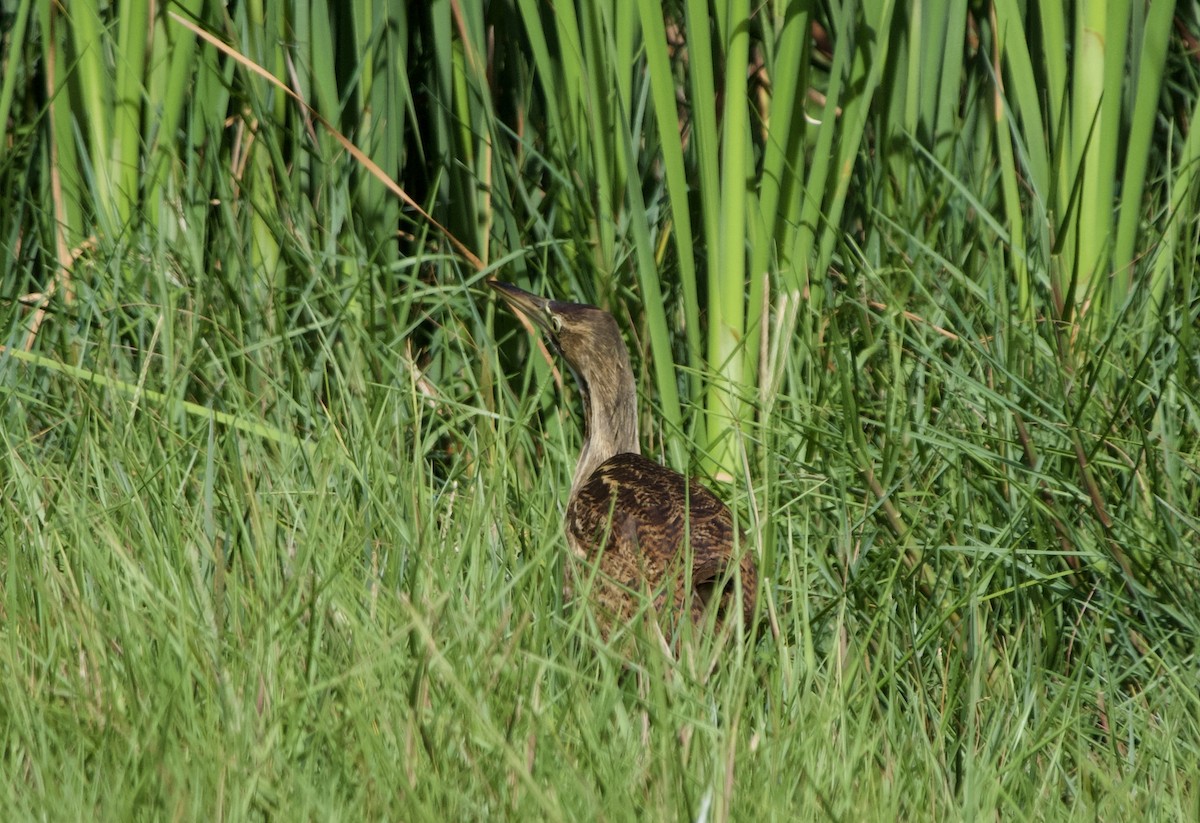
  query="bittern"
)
[{"x": 634, "y": 527}]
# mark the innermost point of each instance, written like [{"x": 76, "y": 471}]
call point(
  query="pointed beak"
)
[{"x": 530, "y": 305}]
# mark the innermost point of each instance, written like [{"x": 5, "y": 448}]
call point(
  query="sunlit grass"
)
[{"x": 282, "y": 492}]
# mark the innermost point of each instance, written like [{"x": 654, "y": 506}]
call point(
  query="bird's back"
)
[{"x": 647, "y": 528}]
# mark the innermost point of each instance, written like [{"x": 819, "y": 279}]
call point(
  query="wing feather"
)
[{"x": 631, "y": 518}]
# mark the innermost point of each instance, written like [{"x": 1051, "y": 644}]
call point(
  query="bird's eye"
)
[{"x": 555, "y": 321}]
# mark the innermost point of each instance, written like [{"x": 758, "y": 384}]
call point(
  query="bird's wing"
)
[
  {"x": 631, "y": 517},
  {"x": 637, "y": 505}
]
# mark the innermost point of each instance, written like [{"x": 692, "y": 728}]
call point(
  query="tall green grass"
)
[{"x": 282, "y": 493}]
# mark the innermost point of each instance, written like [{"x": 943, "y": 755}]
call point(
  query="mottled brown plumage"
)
[{"x": 634, "y": 527}]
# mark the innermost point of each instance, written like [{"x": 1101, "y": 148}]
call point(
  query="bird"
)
[{"x": 635, "y": 528}]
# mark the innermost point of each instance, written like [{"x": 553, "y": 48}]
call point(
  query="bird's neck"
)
[{"x": 610, "y": 424}]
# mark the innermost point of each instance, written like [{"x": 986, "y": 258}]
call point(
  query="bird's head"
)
[{"x": 586, "y": 337}]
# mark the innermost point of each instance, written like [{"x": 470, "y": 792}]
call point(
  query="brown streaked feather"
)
[{"x": 636, "y": 520}]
